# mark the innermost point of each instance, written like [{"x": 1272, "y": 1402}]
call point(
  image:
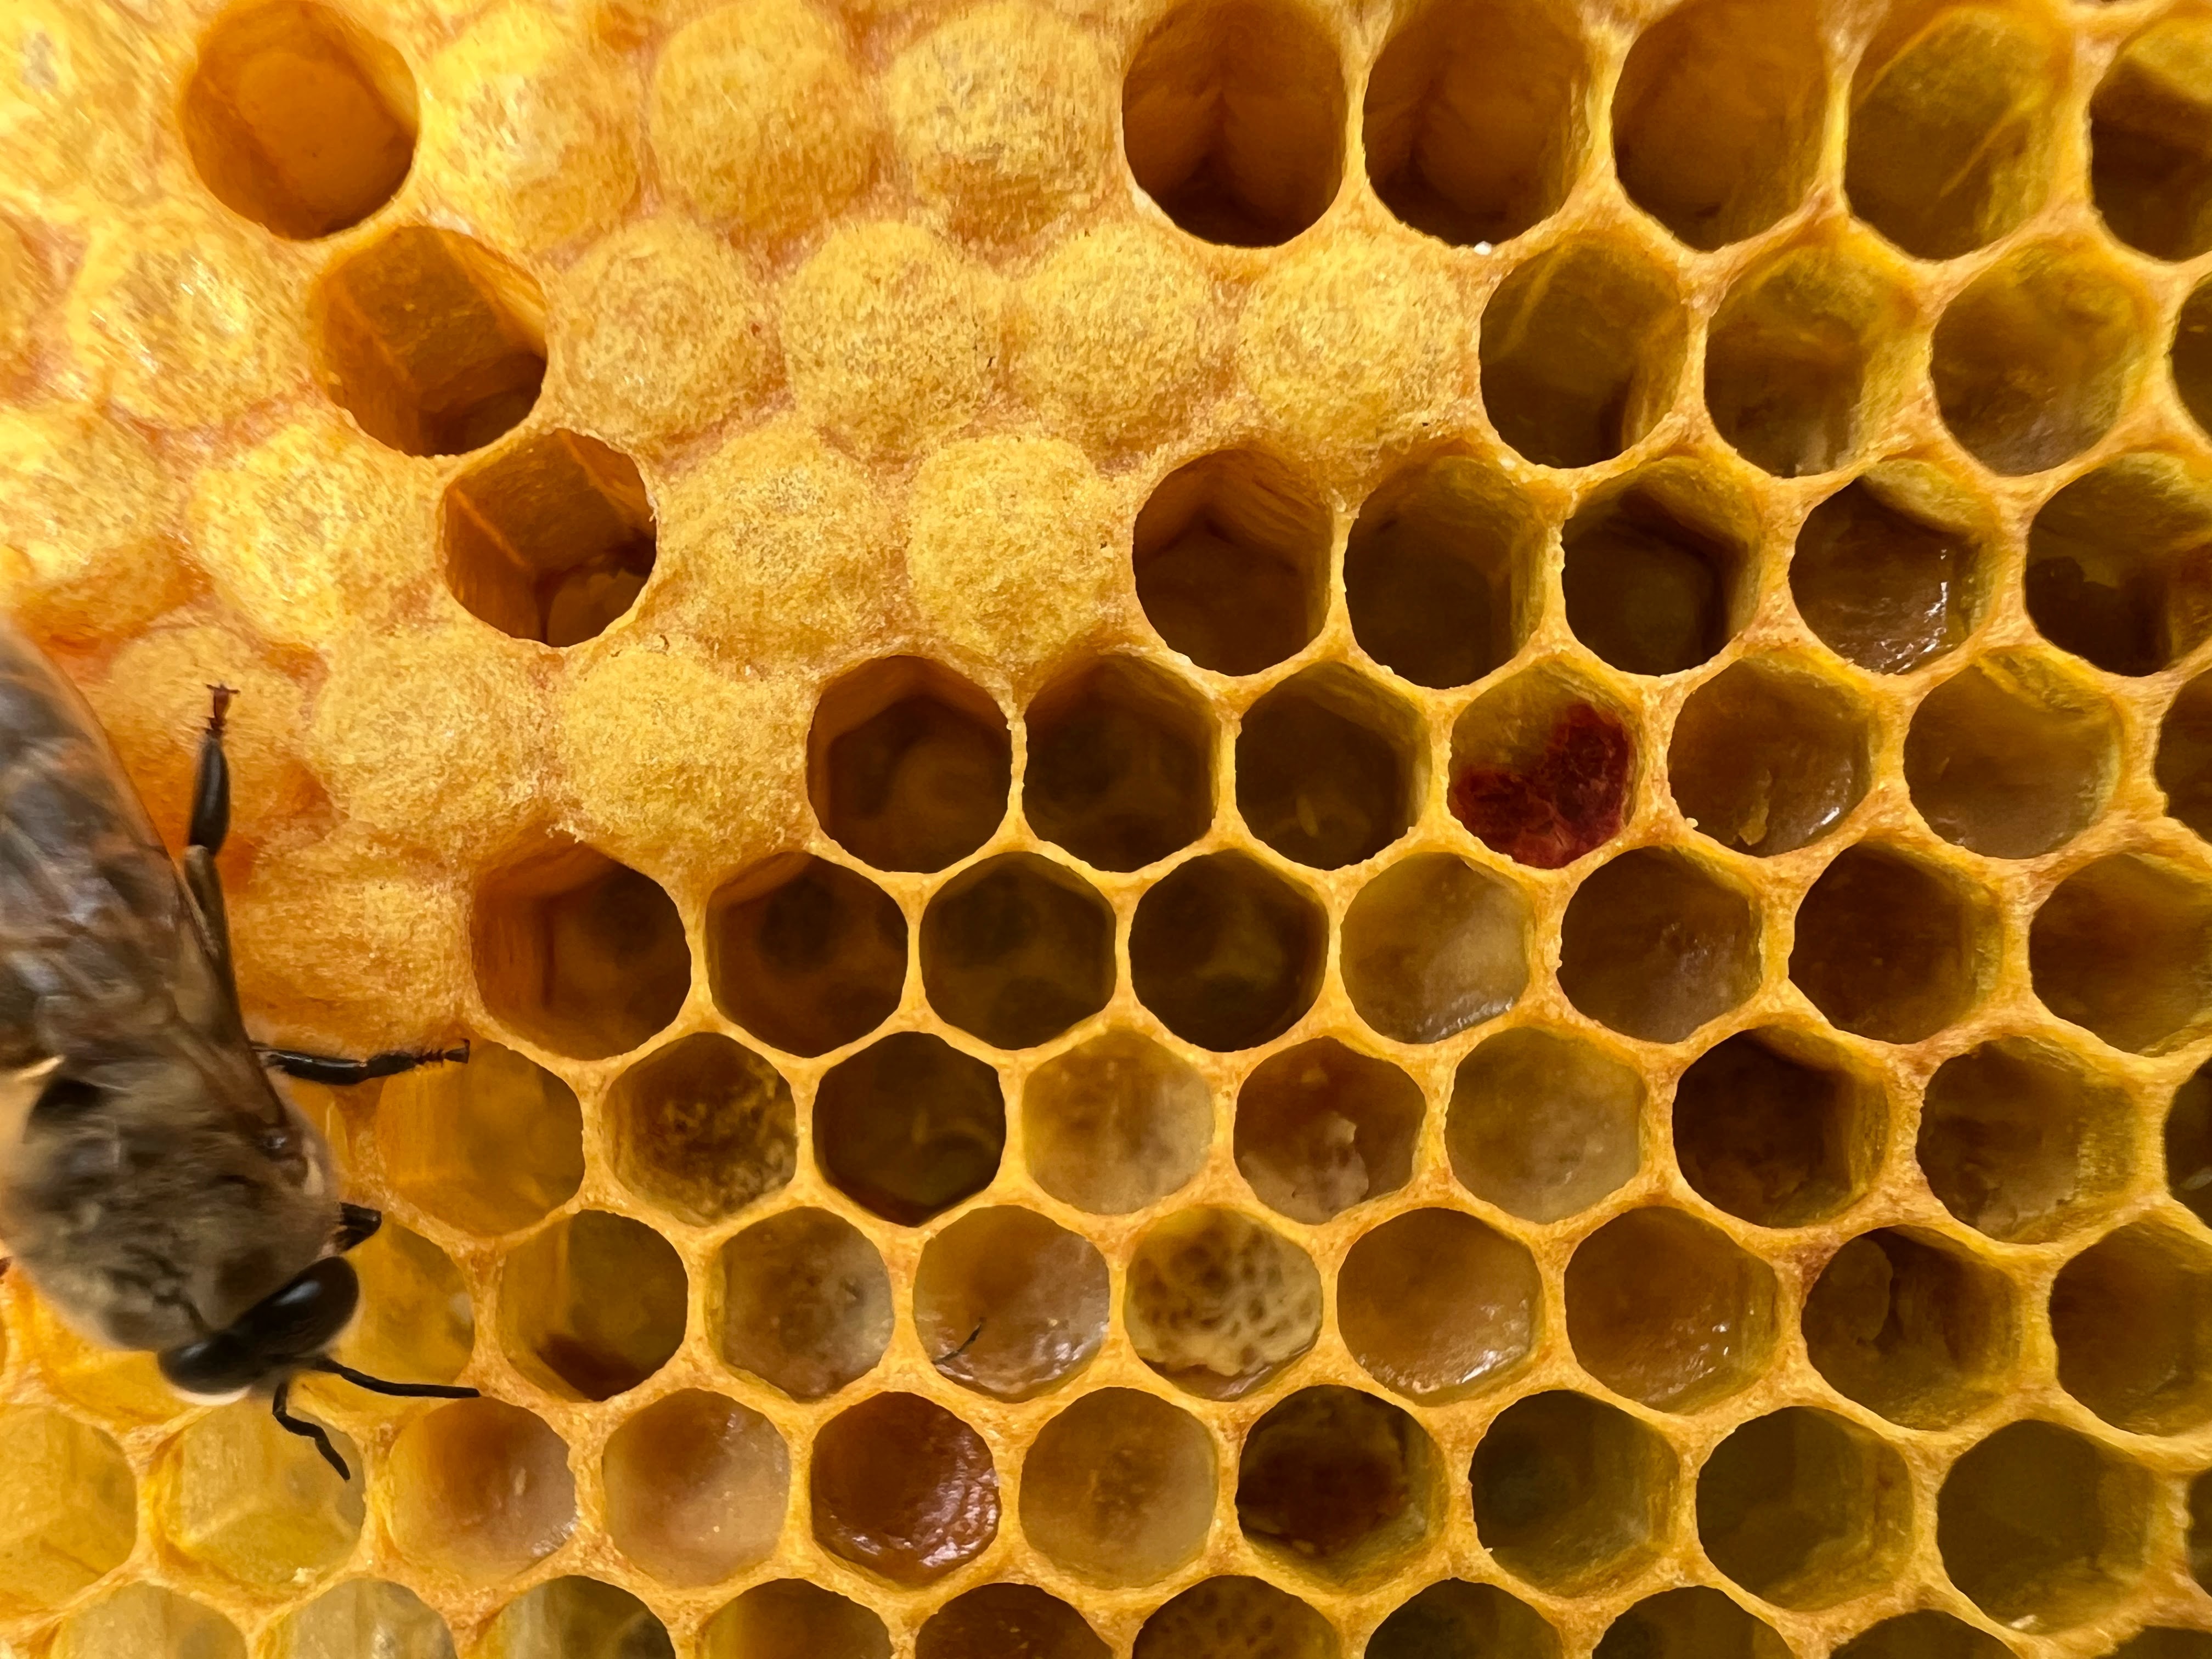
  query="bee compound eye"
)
[
  {"x": 215, "y": 1367},
  {"x": 306, "y": 1316}
]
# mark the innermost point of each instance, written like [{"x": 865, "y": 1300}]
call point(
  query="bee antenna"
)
[
  {"x": 400, "y": 1390},
  {"x": 306, "y": 1430}
]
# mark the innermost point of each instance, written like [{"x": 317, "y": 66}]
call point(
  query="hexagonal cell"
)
[
  {"x": 997, "y": 1619},
  {"x": 1767, "y": 757},
  {"x": 1329, "y": 767},
  {"x": 2119, "y": 564},
  {"x": 1542, "y": 768},
  {"x": 1887, "y": 571},
  {"x": 1924, "y": 1635},
  {"x": 907, "y": 764},
  {"x": 1911, "y": 1326},
  {"x": 433, "y": 343},
  {"x": 2184, "y": 767},
  {"x": 417, "y": 1323},
  {"x": 1235, "y": 1618},
  {"x": 2040, "y": 1528},
  {"x": 1654, "y": 946},
  {"x": 1543, "y": 1124},
  {"x": 704, "y": 1127},
  {"x": 112, "y": 1386},
  {"x": 594, "y": 1305},
  {"x": 2124, "y": 946},
  {"x": 2150, "y": 141},
  {"x": 1009, "y": 1305},
  {"x": 1217, "y": 1302},
  {"x": 1455, "y": 1619},
  {"x": 1321, "y": 1127},
  {"x": 240, "y": 1497},
  {"x": 1231, "y": 560},
  {"x": 144, "y": 1618},
  {"x": 2190, "y": 357},
  {"x": 2017, "y": 1139},
  {"x": 2188, "y": 1145},
  {"x": 1804, "y": 1508},
  {"x": 1121, "y": 763},
  {"x": 1119, "y": 1487},
  {"x": 364, "y": 1616},
  {"x": 1571, "y": 1494},
  {"x": 489, "y": 1146},
  {"x": 1015, "y": 950},
  {"x": 1660, "y": 569},
  {"x": 68, "y": 1508},
  {"x": 1440, "y": 568},
  {"x": 904, "y": 1488},
  {"x": 1227, "y": 953},
  {"x": 1433, "y": 945},
  {"x": 1889, "y": 947},
  {"x": 789, "y": 1616},
  {"x": 2132, "y": 1316},
  {"x": 1778, "y": 1128},
  {"x": 1696, "y": 1623},
  {"x": 1665, "y": 1309},
  {"x": 579, "y": 953},
  {"x": 1336, "y": 1481},
  {"x": 1435, "y": 1305},
  {"x": 579, "y": 1616},
  {"x": 2012, "y": 757},
  {"x": 1115, "y": 1123},
  {"x": 695, "y": 1487},
  {"x": 479, "y": 1489},
  {"x": 909, "y": 1127},
  {"x": 806, "y": 1303},
  {"x": 804, "y": 954},
  {"x": 1954, "y": 115},
  {"x": 1232, "y": 116}
]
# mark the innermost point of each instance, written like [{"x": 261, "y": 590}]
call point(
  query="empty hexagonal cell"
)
[
  {"x": 1924, "y": 1635},
  {"x": 907, "y": 764},
  {"x": 1571, "y": 1494},
  {"x": 1696, "y": 1623},
  {"x": 1336, "y": 1481},
  {"x": 789, "y": 1616},
  {"x": 69, "y": 1508},
  {"x": 1666, "y": 1309},
  {"x": 479, "y": 1489},
  {"x": 1888, "y": 946},
  {"x": 1582, "y": 350},
  {"x": 417, "y": 1323},
  {"x": 1008, "y": 1304},
  {"x": 1435, "y": 1305},
  {"x": 1015, "y": 950},
  {"x": 1439, "y": 571},
  {"x": 1655, "y": 945},
  {"x": 580, "y": 1616},
  {"x": 1218, "y": 1303},
  {"x": 2020, "y": 1141},
  {"x": 1777, "y": 1128},
  {"x": 364, "y": 1616},
  {"x": 2119, "y": 564},
  {"x": 2040, "y": 1528},
  {"x": 1321, "y": 1127},
  {"x": 2150, "y": 141},
  {"x": 1231, "y": 560},
  {"x": 904, "y": 1488},
  {"x": 806, "y": 1303},
  {"x": 594, "y": 1305},
  {"x": 1911, "y": 1326},
  {"x": 1115, "y": 1123},
  {"x": 242, "y": 1498},
  {"x": 2188, "y": 1145},
  {"x": 909, "y": 1127},
  {"x": 433, "y": 343},
  {"x": 1329, "y": 767},
  {"x": 1433, "y": 945},
  {"x": 2132, "y": 1316},
  {"x": 579, "y": 953},
  {"x": 1226, "y": 952},
  {"x": 1232, "y": 117},
  {"x": 1002, "y": 1618},
  {"x": 491, "y": 1146},
  {"x": 2190, "y": 357},
  {"x": 695, "y": 1487},
  {"x": 1768, "y": 757},
  {"x": 2012, "y": 757},
  {"x": 1234, "y": 1618},
  {"x": 1887, "y": 571},
  {"x": 704, "y": 1127},
  {"x": 2124, "y": 946},
  {"x": 2184, "y": 767},
  {"x": 1121, "y": 763},
  {"x": 1119, "y": 1487},
  {"x": 1953, "y": 113},
  {"x": 806, "y": 954},
  {"x": 144, "y": 1618},
  {"x": 1542, "y": 768},
  {"x": 1804, "y": 1508},
  {"x": 1455, "y": 1619},
  {"x": 1659, "y": 570},
  {"x": 1543, "y": 1124}
]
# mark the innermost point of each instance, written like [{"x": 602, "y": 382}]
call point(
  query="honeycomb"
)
[{"x": 1274, "y": 830}]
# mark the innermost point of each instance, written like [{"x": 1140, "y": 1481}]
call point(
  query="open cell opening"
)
[
  {"x": 997, "y": 1619},
  {"x": 1455, "y": 1620},
  {"x": 480, "y": 1489},
  {"x": 703, "y": 1129},
  {"x": 1008, "y": 1304},
  {"x": 1226, "y": 952},
  {"x": 2150, "y": 140},
  {"x": 2019, "y": 1140},
  {"x": 1655, "y": 946},
  {"x": 1659, "y": 570},
  {"x": 1666, "y": 1309},
  {"x": 364, "y": 1616},
  {"x": 804, "y": 954},
  {"x": 909, "y": 1127},
  {"x": 1115, "y": 1123},
  {"x": 1015, "y": 950},
  {"x": 1119, "y": 1487},
  {"x": 1582, "y": 350},
  {"x": 1474, "y": 124},
  {"x": 239, "y": 1496},
  {"x": 805, "y": 1303},
  {"x": 2132, "y": 1316},
  {"x": 433, "y": 344},
  {"x": 2012, "y": 757},
  {"x": 1218, "y": 1303},
  {"x": 1121, "y": 765},
  {"x": 1911, "y": 1325},
  {"x": 2119, "y": 564},
  {"x": 1235, "y": 1618},
  {"x": 1433, "y": 945},
  {"x": 1336, "y": 1481},
  {"x": 1543, "y": 768},
  {"x": 2124, "y": 946},
  {"x": 1887, "y": 571},
  {"x": 1887, "y": 946},
  {"x": 580, "y": 1616},
  {"x": 579, "y": 953},
  {"x": 1435, "y": 1305},
  {"x": 416, "y": 1324},
  {"x": 1767, "y": 757},
  {"x": 1321, "y": 1127},
  {"x": 144, "y": 1618},
  {"x": 789, "y": 1616},
  {"x": 695, "y": 1487},
  {"x": 594, "y": 1305},
  {"x": 489, "y": 1146},
  {"x": 1231, "y": 560},
  {"x": 1804, "y": 1508},
  {"x": 1543, "y": 1124},
  {"x": 909, "y": 765},
  {"x": 1924, "y": 1635},
  {"x": 2188, "y": 1145},
  {"x": 1570, "y": 1494},
  {"x": 2190, "y": 358},
  {"x": 1329, "y": 767},
  {"x": 1777, "y": 1128},
  {"x": 902, "y": 1488},
  {"x": 2184, "y": 766},
  {"x": 1695, "y": 1623}
]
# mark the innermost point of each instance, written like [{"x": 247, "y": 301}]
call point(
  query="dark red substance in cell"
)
[{"x": 1571, "y": 800}]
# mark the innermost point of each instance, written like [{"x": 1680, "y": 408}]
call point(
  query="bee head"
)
[{"x": 286, "y": 1330}]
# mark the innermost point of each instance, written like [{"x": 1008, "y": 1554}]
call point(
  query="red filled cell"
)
[{"x": 1570, "y": 802}]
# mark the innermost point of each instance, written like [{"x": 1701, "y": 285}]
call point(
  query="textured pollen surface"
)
[{"x": 1274, "y": 828}]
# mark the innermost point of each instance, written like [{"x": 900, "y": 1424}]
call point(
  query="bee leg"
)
[
  {"x": 209, "y": 827},
  {"x": 306, "y": 1430},
  {"x": 339, "y": 1072},
  {"x": 357, "y": 1223}
]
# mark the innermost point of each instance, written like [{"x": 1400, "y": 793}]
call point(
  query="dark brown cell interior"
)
[
  {"x": 1437, "y": 571},
  {"x": 789, "y": 1616},
  {"x": 1803, "y": 1508},
  {"x": 2184, "y": 767},
  {"x": 1455, "y": 1620},
  {"x": 1234, "y": 1618},
  {"x": 1665, "y": 1309},
  {"x": 2188, "y": 1145},
  {"x": 1924, "y": 1635},
  {"x": 1433, "y": 945},
  {"x": 1571, "y": 1494},
  {"x": 1328, "y": 768},
  {"x": 703, "y": 1129},
  {"x": 1775, "y": 1128},
  {"x": 902, "y": 1488},
  {"x": 1231, "y": 560},
  {"x": 2119, "y": 565},
  {"x": 298, "y": 120},
  {"x": 1015, "y": 950},
  {"x": 1652, "y": 584},
  {"x": 1225, "y": 952},
  {"x": 2011, "y": 758},
  {"x": 2150, "y": 141},
  {"x": 1321, "y": 1127},
  {"x": 1434, "y": 1304},
  {"x": 804, "y": 954},
  {"x": 1119, "y": 1487},
  {"x": 580, "y": 1615},
  {"x": 579, "y": 953},
  {"x": 1910, "y": 1325},
  {"x": 1336, "y": 1478},
  {"x": 1232, "y": 116},
  {"x": 1121, "y": 765},
  {"x": 2017, "y": 1139},
  {"x": 1695, "y": 1623},
  {"x": 909, "y": 765},
  {"x": 2124, "y": 947},
  {"x": 1654, "y": 947},
  {"x": 2190, "y": 355},
  {"x": 433, "y": 344},
  {"x": 1543, "y": 1124},
  {"x": 1878, "y": 583},
  {"x": 909, "y": 1127},
  {"x": 1474, "y": 124},
  {"x": 2166, "y": 1642},
  {"x": 1886, "y": 946},
  {"x": 1766, "y": 758},
  {"x": 594, "y": 1305},
  {"x": 1115, "y": 1123},
  {"x": 2200, "y": 1531},
  {"x": 1218, "y": 1303},
  {"x": 2132, "y": 1316},
  {"x": 805, "y": 1303},
  {"x": 999, "y": 1620},
  {"x": 1008, "y": 1304}
]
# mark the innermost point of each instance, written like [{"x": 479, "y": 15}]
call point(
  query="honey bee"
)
[{"x": 157, "y": 1186}]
